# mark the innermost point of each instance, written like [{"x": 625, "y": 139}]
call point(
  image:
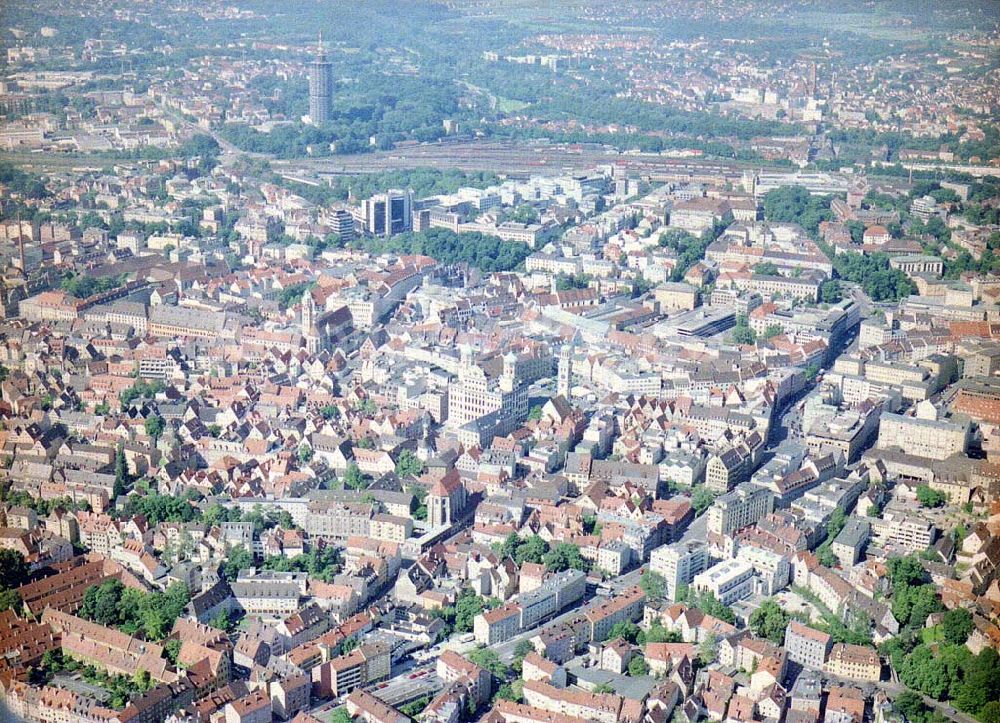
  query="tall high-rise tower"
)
[
  {"x": 320, "y": 87},
  {"x": 564, "y": 382},
  {"x": 389, "y": 213}
]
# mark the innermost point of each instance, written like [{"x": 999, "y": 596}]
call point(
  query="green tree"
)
[
  {"x": 772, "y": 331},
  {"x": 657, "y": 634},
  {"x": 638, "y": 667},
  {"x": 353, "y": 479},
  {"x": 525, "y": 213},
  {"x": 522, "y": 550},
  {"x": 9, "y": 600},
  {"x": 624, "y": 629},
  {"x": 766, "y": 268},
  {"x": 795, "y": 204},
  {"x": 216, "y": 513},
  {"x": 171, "y": 650},
  {"x": 957, "y": 626},
  {"x": 701, "y": 499},
  {"x": 532, "y": 549},
  {"x": 906, "y": 571},
  {"x": 990, "y": 713},
  {"x": 653, "y": 584},
  {"x": 565, "y": 556},
  {"x": 912, "y": 604},
  {"x": 154, "y": 426},
  {"x": 222, "y": 621},
  {"x": 708, "y": 649},
  {"x": 836, "y": 523},
  {"x": 409, "y": 465},
  {"x": 488, "y": 659},
  {"x": 413, "y": 708},
  {"x": 929, "y": 497},
  {"x": 467, "y": 607},
  {"x": 912, "y": 706},
  {"x": 122, "y": 478},
  {"x": 521, "y": 651},
  {"x": 976, "y": 678},
  {"x": 604, "y": 689},
  {"x": 13, "y": 569},
  {"x": 418, "y": 507},
  {"x": 159, "y": 508},
  {"x": 513, "y": 691},
  {"x": 857, "y": 231},
  {"x": 742, "y": 333},
  {"x": 830, "y": 292},
  {"x": 769, "y": 621},
  {"x": 239, "y": 558},
  {"x": 706, "y": 602}
]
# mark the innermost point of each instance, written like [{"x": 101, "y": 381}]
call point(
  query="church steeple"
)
[{"x": 308, "y": 313}]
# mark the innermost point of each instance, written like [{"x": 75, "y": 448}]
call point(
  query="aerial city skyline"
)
[{"x": 499, "y": 361}]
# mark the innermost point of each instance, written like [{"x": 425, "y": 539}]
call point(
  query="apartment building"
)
[
  {"x": 365, "y": 707},
  {"x": 770, "y": 285},
  {"x": 477, "y": 394},
  {"x": 740, "y": 508},
  {"x": 672, "y": 296},
  {"x": 366, "y": 664},
  {"x": 678, "y": 564},
  {"x": 452, "y": 667},
  {"x": 23, "y": 642},
  {"x": 773, "y": 569},
  {"x": 902, "y": 531},
  {"x": 255, "y": 707},
  {"x": 497, "y": 625},
  {"x": 335, "y": 520},
  {"x": 627, "y": 606},
  {"x": 931, "y": 438},
  {"x": 391, "y": 527},
  {"x": 177, "y": 321},
  {"x": 50, "y": 306},
  {"x": 806, "y": 646},
  {"x": 848, "y": 544},
  {"x": 269, "y": 594},
  {"x": 579, "y": 704},
  {"x": 108, "y": 649},
  {"x": 554, "y": 594},
  {"x": 848, "y": 432},
  {"x": 729, "y": 581},
  {"x": 917, "y": 264},
  {"x": 979, "y": 398},
  {"x": 857, "y": 662}
]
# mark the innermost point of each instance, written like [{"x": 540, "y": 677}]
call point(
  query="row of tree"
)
[
  {"x": 556, "y": 558},
  {"x": 487, "y": 253},
  {"x": 150, "y": 615}
]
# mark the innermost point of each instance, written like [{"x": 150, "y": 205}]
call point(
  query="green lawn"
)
[
  {"x": 929, "y": 636},
  {"x": 509, "y": 105}
]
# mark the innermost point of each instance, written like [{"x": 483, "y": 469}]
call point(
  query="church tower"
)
[
  {"x": 309, "y": 331},
  {"x": 508, "y": 379},
  {"x": 308, "y": 313}
]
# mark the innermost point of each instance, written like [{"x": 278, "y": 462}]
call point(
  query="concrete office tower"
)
[
  {"x": 389, "y": 213},
  {"x": 320, "y": 87}
]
